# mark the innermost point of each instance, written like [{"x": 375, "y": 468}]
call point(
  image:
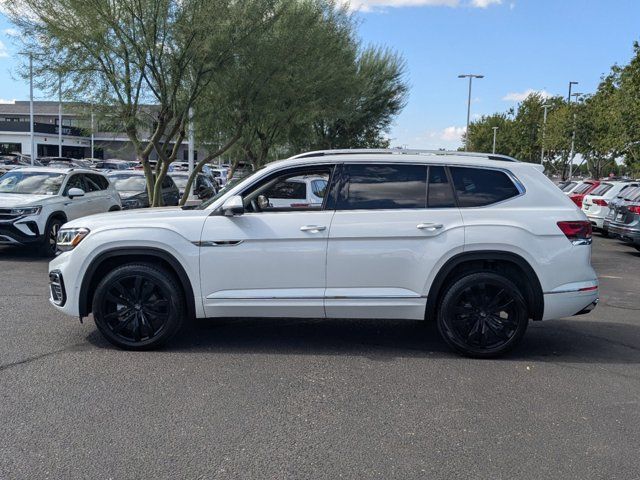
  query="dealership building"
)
[{"x": 15, "y": 136}]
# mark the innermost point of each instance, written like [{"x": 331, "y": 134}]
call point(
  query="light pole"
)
[
  {"x": 92, "y": 134},
  {"x": 495, "y": 132},
  {"x": 544, "y": 127},
  {"x": 569, "y": 96},
  {"x": 470, "y": 76},
  {"x": 33, "y": 153},
  {"x": 573, "y": 139},
  {"x": 59, "y": 114}
]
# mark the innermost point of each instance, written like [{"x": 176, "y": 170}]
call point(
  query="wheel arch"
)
[
  {"x": 58, "y": 214},
  {"x": 511, "y": 264},
  {"x": 110, "y": 259}
]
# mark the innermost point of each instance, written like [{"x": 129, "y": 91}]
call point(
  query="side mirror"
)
[
  {"x": 75, "y": 192},
  {"x": 233, "y": 206}
]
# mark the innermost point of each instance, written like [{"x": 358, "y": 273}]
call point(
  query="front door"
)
[
  {"x": 270, "y": 261},
  {"x": 387, "y": 236},
  {"x": 79, "y": 206}
]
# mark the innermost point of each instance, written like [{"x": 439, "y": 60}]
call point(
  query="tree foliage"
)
[
  {"x": 258, "y": 76},
  {"x": 606, "y": 126}
]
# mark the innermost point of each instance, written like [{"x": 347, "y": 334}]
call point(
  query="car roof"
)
[
  {"x": 57, "y": 170},
  {"x": 405, "y": 156}
]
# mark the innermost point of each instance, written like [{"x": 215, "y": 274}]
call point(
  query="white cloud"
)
[
  {"x": 4, "y": 53},
  {"x": 378, "y": 5},
  {"x": 7, "y": 102},
  {"x": 11, "y": 32},
  {"x": 520, "y": 96},
  {"x": 485, "y": 3},
  {"x": 451, "y": 134}
]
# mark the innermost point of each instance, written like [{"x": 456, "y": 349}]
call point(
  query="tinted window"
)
[
  {"x": 74, "y": 182},
  {"x": 569, "y": 186},
  {"x": 629, "y": 192},
  {"x": 319, "y": 188},
  {"x": 288, "y": 189},
  {"x": 439, "y": 192},
  {"x": 582, "y": 188},
  {"x": 91, "y": 185},
  {"x": 383, "y": 187},
  {"x": 476, "y": 187},
  {"x": 167, "y": 182},
  {"x": 602, "y": 189}
]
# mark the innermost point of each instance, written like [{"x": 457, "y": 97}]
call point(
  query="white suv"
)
[
  {"x": 479, "y": 243},
  {"x": 35, "y": 202}
]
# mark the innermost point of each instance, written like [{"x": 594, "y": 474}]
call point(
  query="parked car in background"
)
[
  {"x": 220, "y": 176},
  {"x": 36, "y": 201},
  {"x": 569, "y": 185},
  {"x": 10, "y": 162},
  {"x": 586, "y": 187},
  {"x": 112, "y": 164},
  {"x": 625, "y": 194},
  {"x": 203, "y": 189},
  {"x": 297, "y": 192},
  {"x": 448, "y": 237},
  {"x": 625, "y": 222},
  {"x": 132, "y": 188},
  {"x": 596, "y": 204}
]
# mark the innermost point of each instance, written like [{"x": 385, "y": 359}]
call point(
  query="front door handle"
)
[
  {"x": 313, "y": 228},
  {"x": 431, "y": 227}
]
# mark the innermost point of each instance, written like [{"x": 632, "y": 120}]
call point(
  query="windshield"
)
[
  {"x": 569, "y": 186},
  {"x": 129, "y": 183},
  {"x": 38, "y": 183},
  {"x": 180, "y": 180}
]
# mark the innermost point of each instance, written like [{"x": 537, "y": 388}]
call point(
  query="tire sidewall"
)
[
  {"x": 464, "y": 282},
  {"x": 45, "y": 247},
  {"x": 177, "y": 310}
]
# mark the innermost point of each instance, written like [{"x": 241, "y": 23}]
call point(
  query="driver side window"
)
[
  {"x": 74, "y": 182},
  {"x": 287, "y": 191}
]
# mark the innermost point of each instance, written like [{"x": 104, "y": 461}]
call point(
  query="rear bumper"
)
[
  {"x": 631, "y": 235},
  {"x": 596, "y": 221},
  {"x": 571, "y": 299}
]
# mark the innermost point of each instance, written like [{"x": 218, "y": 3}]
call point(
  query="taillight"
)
[
  {"x": 634, "y": 208},
  {"x": 577, "y": 199},
  {"x": 578, "y": 232},
  {"x": 601, "y": 202}
]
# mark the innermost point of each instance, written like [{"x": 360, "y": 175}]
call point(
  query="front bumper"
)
[
  {"x": 11, "y": 235},
  {"x": 60, "y": 267}
]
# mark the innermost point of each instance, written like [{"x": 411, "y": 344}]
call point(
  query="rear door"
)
[{"x": 394, "y": 223}]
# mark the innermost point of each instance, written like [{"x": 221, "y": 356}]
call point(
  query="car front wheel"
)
[
  {"x": 50, "y": 241},
  {"x": 482, "y": 315},
  {"x": 138, "y": 306}
]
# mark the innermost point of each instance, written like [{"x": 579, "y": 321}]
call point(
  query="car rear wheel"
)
[
  {"x": 482, "y": 315},
  {"x": 138, "y": 307}
]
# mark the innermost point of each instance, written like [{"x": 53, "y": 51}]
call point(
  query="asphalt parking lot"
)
[{"x": 319, "y": 399}]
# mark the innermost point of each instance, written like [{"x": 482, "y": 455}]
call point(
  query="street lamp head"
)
[
  {"x": 573, "y": 83},
  {"x": 471, "y": 75}
]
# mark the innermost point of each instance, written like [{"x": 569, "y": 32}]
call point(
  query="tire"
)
[
  {"x": 482, "y": 315},
  {"x": 151, "y": 311},
  {"x": 48, "y": 246}
]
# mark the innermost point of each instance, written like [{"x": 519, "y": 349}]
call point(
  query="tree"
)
[{"x": 143, "y": 63}]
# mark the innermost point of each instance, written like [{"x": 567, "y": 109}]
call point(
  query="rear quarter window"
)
[{"x": 478, "y": 187}]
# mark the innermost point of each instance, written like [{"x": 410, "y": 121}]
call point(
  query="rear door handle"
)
[
  {"x": 431, "y": 227},
  {"x": 312, "y": 228}
]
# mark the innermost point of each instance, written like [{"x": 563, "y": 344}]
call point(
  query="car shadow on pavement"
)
[
  {"x": 19, "y": 254},
  {"x": 570, "y": 341}
]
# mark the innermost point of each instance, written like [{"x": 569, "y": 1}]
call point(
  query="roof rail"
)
[{"x": 404, "y": 151}]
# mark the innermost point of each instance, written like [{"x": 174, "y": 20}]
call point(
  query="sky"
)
[{"x": 518, "y": 45}]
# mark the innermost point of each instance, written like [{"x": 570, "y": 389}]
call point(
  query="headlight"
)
[
  {"x": 69, "y": 238},
  {"x": 26, "y": 210},
  {"x": 132, "y": 203}
]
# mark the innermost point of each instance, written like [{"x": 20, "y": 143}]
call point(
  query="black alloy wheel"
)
[
  {"x": 49, "y": 244},
  {"x": 482, "y": 315},
  {"x": 138, "y": 307}
]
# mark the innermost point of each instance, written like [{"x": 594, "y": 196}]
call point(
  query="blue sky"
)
[{"x": 519, "y": 45}]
